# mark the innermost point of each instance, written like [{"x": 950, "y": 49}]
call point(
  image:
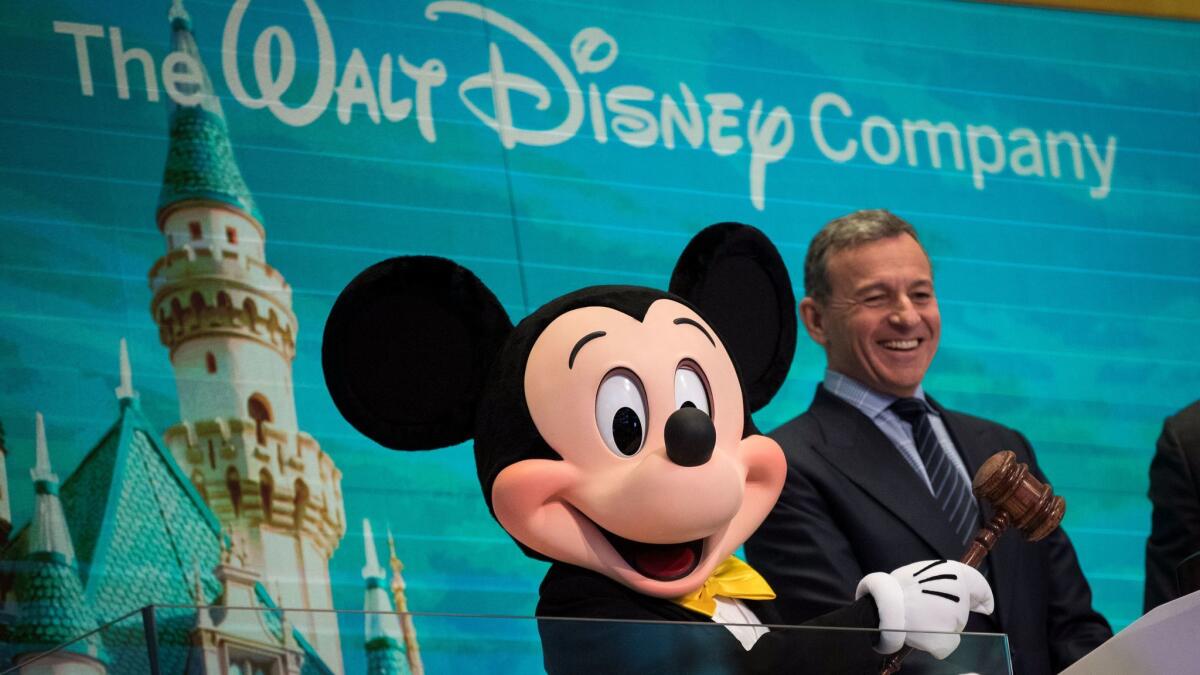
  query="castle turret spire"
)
[
  {"x": 47, "y": 586},
  {"x": 125, "y": 391},
  {"x": 371, "y": 571},
  {"x": 383, "y": 636},
  {"x": 48, "y": 533},
  {"x": 200, "y": 161},
  {"x": 412, "y": 647}
]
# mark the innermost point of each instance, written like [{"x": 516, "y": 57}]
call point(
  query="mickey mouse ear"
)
[
  {"x": 737, "y": 279},
  {"x": 407, "y": 347}
]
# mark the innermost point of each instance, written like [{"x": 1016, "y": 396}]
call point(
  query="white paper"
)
[{"x": 1164, "y": 641}]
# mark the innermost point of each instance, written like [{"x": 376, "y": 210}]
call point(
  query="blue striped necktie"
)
[{"x": 950, "y": 488}]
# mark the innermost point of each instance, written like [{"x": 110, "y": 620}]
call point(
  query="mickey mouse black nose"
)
[{"x": 690, "y": 437}]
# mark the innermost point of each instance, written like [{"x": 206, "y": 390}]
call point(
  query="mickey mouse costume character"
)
[{"x": 613, "y": 438}]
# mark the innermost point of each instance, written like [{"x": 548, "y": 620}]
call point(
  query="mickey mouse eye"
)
[
  {"x": 690, "y": 391},
  {"x": 621, "y": 413}
]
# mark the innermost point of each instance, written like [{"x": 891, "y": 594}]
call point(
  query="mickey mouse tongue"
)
[
  {"x": 664, "y": 562},
  {"x": 661, "y": 562}
]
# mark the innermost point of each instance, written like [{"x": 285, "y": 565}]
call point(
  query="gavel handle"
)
[{"x": 983, "y": 542}]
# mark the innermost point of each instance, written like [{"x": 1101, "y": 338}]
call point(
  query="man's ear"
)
[
  {"x": 734, "y": 275},
  {"x": 407, "y": 347},
  {"x": 813, "y": 316}
]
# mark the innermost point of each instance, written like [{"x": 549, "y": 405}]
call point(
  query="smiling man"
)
[{"x": 879, "y": 472}]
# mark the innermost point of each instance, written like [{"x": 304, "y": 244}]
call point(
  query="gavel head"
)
[{"x": 1009, "y": 487}]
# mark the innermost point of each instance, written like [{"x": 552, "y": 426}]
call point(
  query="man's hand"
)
[{"x": 924, "y": 605}]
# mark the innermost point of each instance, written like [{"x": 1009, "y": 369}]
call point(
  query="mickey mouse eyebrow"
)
[
  {"x": 579, "y": 345},
  {"x": 684, "y": 320}
]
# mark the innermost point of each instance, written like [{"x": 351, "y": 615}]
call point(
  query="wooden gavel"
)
[{"x": 1019, "y": 499}]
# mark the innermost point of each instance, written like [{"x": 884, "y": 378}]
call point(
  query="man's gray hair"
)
[{"x": 848, "y": 231}]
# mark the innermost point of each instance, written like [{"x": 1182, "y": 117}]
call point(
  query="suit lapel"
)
[{"x": 857, "y": 448}]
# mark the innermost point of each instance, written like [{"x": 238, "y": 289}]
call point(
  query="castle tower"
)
[
  {"x": 406, "y": 621},
  {"x": 382, "y": 635},
  {"x": 5, "y": 500},
  {"x": 226, "y": 316},
  {"x": 49, "y": 592}
]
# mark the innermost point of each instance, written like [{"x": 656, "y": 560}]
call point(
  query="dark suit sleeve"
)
[
  {"x": 1175, "y": 521},
  {"x": 805, "y": 650},
  {"x": 1073, "y": 627},
  {"x": 802, "y": 551}
]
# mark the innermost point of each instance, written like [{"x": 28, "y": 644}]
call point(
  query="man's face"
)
[{"x": 880, "y": 324}]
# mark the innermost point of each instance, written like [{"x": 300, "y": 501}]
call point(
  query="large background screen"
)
[{"x": 1050, "y": 161}]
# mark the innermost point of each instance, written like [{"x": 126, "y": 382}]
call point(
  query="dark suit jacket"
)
[
  {"x": 588, "y": 646},
  {"x": 851, "y": 506},
  {"x": 1175, "y": 493}
]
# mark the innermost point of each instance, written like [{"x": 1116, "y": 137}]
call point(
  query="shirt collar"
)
[{"x": 866, "y": 400}]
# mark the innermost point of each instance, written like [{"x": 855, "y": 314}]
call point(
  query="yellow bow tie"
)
[{"x": 732, "y": 579}]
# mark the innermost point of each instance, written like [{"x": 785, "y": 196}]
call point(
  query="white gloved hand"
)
[{"x": 933, "y": 595}]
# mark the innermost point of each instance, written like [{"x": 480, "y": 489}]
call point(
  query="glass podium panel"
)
[{"x": 178, "y": 640}]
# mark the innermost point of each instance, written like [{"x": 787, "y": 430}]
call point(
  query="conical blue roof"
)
[
  {"x": 200, "y": 162},
  {"x": 52, "y": 609},
  {"x": 386, "y": 656},
  {"x": 47, "y": 587},
  {"x": 384, "y": 643}
]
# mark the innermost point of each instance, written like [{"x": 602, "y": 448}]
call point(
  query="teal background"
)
[{"x": 1069, "y": 318}]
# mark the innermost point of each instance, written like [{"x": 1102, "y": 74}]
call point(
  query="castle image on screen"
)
[{"x": 235, "y": 506}]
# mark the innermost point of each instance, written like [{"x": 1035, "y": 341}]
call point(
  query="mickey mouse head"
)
[{"x": 612, "y": 426}]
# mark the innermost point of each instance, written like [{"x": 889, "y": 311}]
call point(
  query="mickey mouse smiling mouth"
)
[{"x": 660, "y": 562}]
